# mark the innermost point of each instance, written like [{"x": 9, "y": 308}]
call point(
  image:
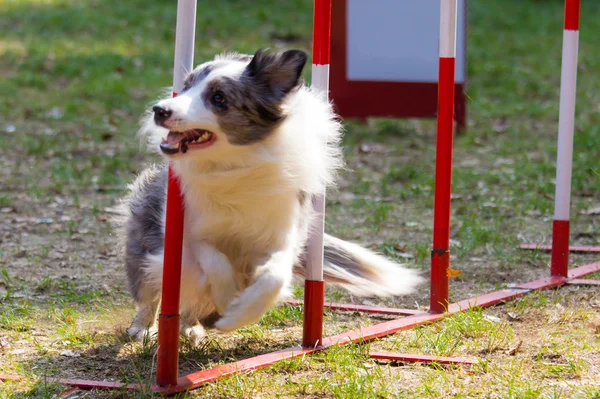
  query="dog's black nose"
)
[{"x": 161, "y": 114}]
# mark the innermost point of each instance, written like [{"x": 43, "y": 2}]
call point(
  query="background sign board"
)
[{"x": 384, "y": 58}]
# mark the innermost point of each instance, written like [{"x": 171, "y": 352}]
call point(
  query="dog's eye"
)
[{"x": 218, "y": 98}]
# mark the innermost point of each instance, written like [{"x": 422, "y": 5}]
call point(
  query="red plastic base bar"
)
[
  {"x": 405, "y": 357},
  {"x": 580, "y": 281},
  {"x": 314, "y": 296},
  {"x": 194, "y": 380},
  {"x": 584, "y": 270},
  {"x": 572, "y": 248},
  {"x": 543, "y": 283},
  {"x": 362, "y": 308}
]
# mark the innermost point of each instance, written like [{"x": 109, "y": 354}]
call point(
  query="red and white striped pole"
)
[
  {"x": 314, "y": 286},
  {"x": 440, "y": 256},
  {"x": 566, "y": 127},
  {"x": 167, "y": 360}
]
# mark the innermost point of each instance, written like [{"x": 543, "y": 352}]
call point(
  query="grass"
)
[{"x": 76, "y": 78}]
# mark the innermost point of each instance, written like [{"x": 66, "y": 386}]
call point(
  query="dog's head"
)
[{"x": 234, "y": 100}]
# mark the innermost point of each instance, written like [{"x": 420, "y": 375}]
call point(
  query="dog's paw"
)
[
  {"x": 194, "y": 334},
  {"x": 232, "y": 319},
  {"x": 137, "y": 332},
  {"x": 228, "y": 324}
]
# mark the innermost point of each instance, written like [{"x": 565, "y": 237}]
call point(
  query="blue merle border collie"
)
[{"x": 252, "y": 145}]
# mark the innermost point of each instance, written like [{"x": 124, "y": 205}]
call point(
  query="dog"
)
[{"x": 252, "y": 146}]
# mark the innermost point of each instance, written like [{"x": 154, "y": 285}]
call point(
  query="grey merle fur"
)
[
  {"x": 144, "y": 226},
  {"x": 252, "y": 109}
]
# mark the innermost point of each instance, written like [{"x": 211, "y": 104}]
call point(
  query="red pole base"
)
[
  {"x": 314, "y": 298},
  {"x": 167, "y": 359},
  {"x": 440, "y": 263},
  {"x": 559, "y": 265}
]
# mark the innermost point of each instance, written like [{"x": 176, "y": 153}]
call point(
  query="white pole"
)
[
  {"x": 566, "y": 124},
  {"x": 184, "y": 42},
  {"x": 314, "y": 263}
]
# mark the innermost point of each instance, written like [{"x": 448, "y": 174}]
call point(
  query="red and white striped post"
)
[
  {"x": 167, "y": 360},
  {"x": 440, "y": 255},
  {"x": 314, "y": 286},
  {"x": 566, "y": 128}
]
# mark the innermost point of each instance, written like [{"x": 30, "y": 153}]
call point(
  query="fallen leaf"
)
[
  {"x": 71, "y": 393},
  {"x": 595, "y": 326},
  {"x": 69, "y": 353},
  {"x": 454, "y": 273},
  {"x": 501, "y": 124},
  {"x": 492, "y": 318},
  {"x": 103, "y": 218},
  {"x": 374, "y": 148},
  {"x": 514, "y": 349},
  {"x": 368, "y": 365},
  {"x": 93, "y": 351},
  {"x": 401, "y": 248},
  {"x": 592, "y": 211},
  {"x": 512, "y": 316},
  {"x": 21, "y": 254}
]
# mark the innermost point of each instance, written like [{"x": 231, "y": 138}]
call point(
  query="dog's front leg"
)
[
  {"x": 273, "y": 276},
  {"x": 219, "y": 273}
]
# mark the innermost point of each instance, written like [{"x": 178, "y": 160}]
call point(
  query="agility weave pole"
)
[
  {"x": 167, "y": 385},
  {"x": 167, "y": 360},
  {"x": 440, "y": 255},
  {"x": 560, "y": 247},
  {"x": 314, "y": 286},
  {"x": 566, "y": 128}
]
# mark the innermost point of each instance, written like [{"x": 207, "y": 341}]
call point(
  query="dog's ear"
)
[{"x": 279, "y": 71}]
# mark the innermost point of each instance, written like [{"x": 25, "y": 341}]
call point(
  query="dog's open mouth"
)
[{"x": 189, "y": 140}]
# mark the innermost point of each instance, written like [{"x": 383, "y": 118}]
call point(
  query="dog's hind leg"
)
[
  {"x": 146, "y": 292},
  {"x": 144, "y": 240},
  {"x": 144, "y": 321}
]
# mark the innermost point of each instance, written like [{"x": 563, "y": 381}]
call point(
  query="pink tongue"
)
[{"x": 174, "y": 137}]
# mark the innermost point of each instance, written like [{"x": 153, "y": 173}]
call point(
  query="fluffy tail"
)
[{"x": 362, "y": 272}]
